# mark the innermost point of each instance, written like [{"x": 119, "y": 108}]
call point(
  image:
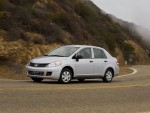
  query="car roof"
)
[{"x": 83, "y": 46}]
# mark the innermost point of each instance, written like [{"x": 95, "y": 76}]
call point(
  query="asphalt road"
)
[{"x": 127, "y": 94}]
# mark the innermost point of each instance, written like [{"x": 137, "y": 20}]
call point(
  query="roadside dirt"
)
[{"x": 125, "y": 70}]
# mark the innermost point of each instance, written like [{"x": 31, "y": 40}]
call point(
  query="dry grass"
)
[
  {"x": 10, "y": 73},
  {"x": 125, "y": 70}
]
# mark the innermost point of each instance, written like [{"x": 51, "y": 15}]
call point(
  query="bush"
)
[
  {"x": 59, "y": 18},
  {"x": 1, "y": 5},
  {"x": 38, "y": 41},
  {"x": 1, "y": 16},
  {"x": 86, "y": 12},
  {"x": 110, "y": 43},
  {"x": 128, "y": 50},
  {"x": 42, "y": 27},
  {"x": 64, "y": 21},
  {"x": 109, "y": 39},
  {"x": 56, "y": 35},
  {"x": 38, "y": 12},
  {"x": 15, "y": 22},
  {"x": 22, "y": 2},
  {"x": 128, "y": 47}
]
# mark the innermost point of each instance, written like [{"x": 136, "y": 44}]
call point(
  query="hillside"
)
[
  {"x": 29, "y": 28},
  {"x": 141, "y": 33}
]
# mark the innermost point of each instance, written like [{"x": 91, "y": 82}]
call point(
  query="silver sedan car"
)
[{"x": 74, "y": 62}]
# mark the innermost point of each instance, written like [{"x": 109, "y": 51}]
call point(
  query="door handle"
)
[
  {"x": 91, "y": 61},
  {"x": 105, "y": 61}
]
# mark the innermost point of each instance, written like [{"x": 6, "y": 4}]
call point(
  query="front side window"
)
[
  {"x": 64, "y": 51},
  {"x": 85, "y": 53},
  {"x": 98, "y": 53}
]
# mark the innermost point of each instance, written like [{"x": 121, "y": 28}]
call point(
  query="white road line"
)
[{"x": 134, "y": 71}]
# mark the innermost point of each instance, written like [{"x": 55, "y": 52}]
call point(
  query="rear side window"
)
[
  {"x": 98, "y": 53},
  {"x": 85, "y": 53}
]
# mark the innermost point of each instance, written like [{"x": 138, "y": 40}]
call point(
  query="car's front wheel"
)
[
  {"x": 108, "y": 75},
  {"x": 37, "y": 79},
  {"x": 65, "y": 76}
]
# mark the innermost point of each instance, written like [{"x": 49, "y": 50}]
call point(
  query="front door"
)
[{"x": 84, "y": 67}]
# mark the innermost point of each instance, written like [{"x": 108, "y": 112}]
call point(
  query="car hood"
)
[{"x": 47, "y": 59}]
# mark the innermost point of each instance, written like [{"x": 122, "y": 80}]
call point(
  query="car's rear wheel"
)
[
  {"x": 108, "y": 75},
  {"x": 36, "y": 79},
  {"x": 65, "y": 76}
]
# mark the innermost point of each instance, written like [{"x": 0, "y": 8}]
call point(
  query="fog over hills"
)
[
  {"x": 138, "y": 30},
  {"x": 136, "y": 11}
]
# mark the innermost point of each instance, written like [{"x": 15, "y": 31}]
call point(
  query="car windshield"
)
[{"x": 64, "y": 51}]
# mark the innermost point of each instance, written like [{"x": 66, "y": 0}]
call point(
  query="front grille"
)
[
  {"x": 36, "y": 73},
  {"x": 38, "y": 65}
]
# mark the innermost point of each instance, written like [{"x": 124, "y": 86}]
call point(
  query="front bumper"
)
[{"x": 44, "y": 72}]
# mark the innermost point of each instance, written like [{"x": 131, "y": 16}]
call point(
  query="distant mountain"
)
[
  {"x": 29, "y": 28},
  {"x": 139, "y": 31}
]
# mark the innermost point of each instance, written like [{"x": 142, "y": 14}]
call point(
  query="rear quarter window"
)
[{"x": 99, "y": 53}]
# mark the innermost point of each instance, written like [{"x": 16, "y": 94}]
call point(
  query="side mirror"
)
[{"x": 77, "y": 57}]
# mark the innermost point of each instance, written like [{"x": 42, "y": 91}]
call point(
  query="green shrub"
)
[
  {"x": 1, "y": 16},
  {"x": 59, "y": 18},
  {"x": 111, "y": 44},
  {"x": 109, "y": 39},
  {"x": 86, "y": 12},
  {"x": 22, "y": 2},
  {"x": 1, "y": 5},
  {"x": 127, "y": 50},
  {"x": 128, "y": 47}
]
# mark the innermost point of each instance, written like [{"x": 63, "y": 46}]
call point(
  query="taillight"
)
[{"x": 117, "y": 62}]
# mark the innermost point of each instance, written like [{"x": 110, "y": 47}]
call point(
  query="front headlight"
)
[
  {"x": 54, "y": 64},
  {"x": 28, "y": 64}
]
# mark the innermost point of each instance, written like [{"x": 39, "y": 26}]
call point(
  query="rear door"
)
[
  {"x": 84, "y": 67},
  {"x": 99, "y": 62}
]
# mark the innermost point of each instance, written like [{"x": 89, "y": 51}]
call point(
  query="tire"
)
[
  {"x": 37, "y": 79},
  {"x": 108, "y": 76},
  {"x": 81, "y": 80},
  {"x": 65, "y": 76}
]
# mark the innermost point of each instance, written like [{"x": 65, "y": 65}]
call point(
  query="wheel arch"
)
[
  {"x": 111, "y": 70},
  {"x": 70, "y": 68}
]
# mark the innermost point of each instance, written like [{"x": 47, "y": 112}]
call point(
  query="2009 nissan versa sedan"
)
[{"x": 74, "y": 62}]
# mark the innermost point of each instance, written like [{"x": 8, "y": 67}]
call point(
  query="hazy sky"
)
[{"x": 137, "y": 11}]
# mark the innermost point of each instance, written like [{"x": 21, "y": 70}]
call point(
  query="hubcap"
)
[
  {"x": 109, "y": 75},
  {"x": 66, "y": 76}
]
